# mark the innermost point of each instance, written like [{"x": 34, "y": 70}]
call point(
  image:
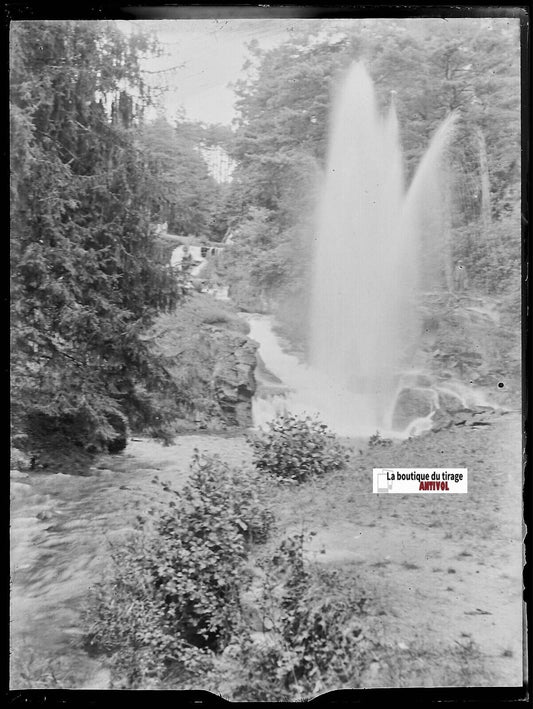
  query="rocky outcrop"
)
[
  {"x": 206, "y": 351},
  {"x": 471, "y": 416},
  {"x": 412, "y": 403},
  {"x": 233, "y": 379}
]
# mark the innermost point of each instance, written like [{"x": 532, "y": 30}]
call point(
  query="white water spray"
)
[{"x": 368, "y": 254}]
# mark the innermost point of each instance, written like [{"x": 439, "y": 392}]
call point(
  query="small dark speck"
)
[{"x": 500, "y": 385}]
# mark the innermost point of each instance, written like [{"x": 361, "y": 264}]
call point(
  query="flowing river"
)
[{"x": 62, "y": 527}]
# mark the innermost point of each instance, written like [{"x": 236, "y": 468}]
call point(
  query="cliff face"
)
[
  {"x": 206, "y": 351},
  {"x": 233, "y": 379}
]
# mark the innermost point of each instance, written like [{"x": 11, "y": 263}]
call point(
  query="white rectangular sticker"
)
[{"x": 411, "y": 480}]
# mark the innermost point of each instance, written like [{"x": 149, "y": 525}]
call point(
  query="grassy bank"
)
[{"x": 427, "y": 587}]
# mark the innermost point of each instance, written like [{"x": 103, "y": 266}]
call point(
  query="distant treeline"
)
[{"x": 432, "y": 67}]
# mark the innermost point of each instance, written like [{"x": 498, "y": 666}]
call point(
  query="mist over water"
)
[
  {"x": 378, "y": 248},
  {"x": 367, "y": 264}
]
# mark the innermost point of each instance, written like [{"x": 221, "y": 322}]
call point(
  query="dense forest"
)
[
  {"x": 431, "y": 70},
  {"x": 91, "y": 176},
  {"x": 89, "y": 179}
]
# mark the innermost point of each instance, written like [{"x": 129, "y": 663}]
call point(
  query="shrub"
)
[
  {"x": 201, "y": 546},
  {"x": 317, "y": 640},
  {"x": 297, "y": 449},
  {"x": 127, "y": 620},
  {"x": 173, "y": 595},
  {"x": 376, "y": 441}
]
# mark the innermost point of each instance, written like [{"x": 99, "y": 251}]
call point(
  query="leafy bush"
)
[
  {"x": 127, "y": 620},
  {"x": 173, "y": 597},
  {"x": 316, "y": 642},
  {"x": 297, "y": 449},
  {"x": 201, "y": 547},
  {"x": 376, "y": 441}
]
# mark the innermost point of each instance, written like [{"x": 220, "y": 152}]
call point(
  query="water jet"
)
[{"x": 372, "y": 252}]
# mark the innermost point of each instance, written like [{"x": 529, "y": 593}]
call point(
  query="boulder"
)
[
  {"x": 450, "y": 402},
  {"x": 411, "y": 404},
  {"x": 441, "y": 419},
  {"x": 119, "y": 424}
]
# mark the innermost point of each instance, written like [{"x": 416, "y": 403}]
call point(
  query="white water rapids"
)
[
  {"x": 285, "y": 384},
  {"x": 303, "y": 389}
]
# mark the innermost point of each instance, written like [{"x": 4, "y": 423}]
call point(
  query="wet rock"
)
[
  {"x": 441, "y": 419},
  {"x": 119, "y": 441},
  {"x": 411, "y": 404},
  {"x": 234, "y": 380},
  {"x": 481, "y": 409},
  {"x": 450, "y": 402}
]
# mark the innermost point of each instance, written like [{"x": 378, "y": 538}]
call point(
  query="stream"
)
[{"x": 62, "y": 527}]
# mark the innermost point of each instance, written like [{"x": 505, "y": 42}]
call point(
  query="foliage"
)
[
  {"x": 185, "y": 191},
  {"x": 84, "y": 280},
  {"x": 173, "y": 594},
  {"x": 471, "y": 67},
  {"x": 316, "y": 641},
  {"x": 376, "y": 441},
  {"x": 491, "y": 257},
  {"x": 298, "y": 448},
  {"x": 127, "y": 621}
]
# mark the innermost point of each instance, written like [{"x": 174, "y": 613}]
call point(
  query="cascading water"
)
[{"x": 364, "y": 320}]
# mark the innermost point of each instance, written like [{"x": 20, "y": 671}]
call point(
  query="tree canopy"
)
[
  {"x": 84, "y": 280},
  {"x": 433, "y": 68},
  {"x": 186, "y": 192}
]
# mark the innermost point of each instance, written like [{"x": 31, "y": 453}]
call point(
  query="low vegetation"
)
[
  {"x": 295, "y": 448},
  {"x": 315, "y": 640},
  {"x": 172, "y": 597}
]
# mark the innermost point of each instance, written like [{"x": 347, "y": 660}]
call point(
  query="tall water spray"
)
[{"x": 371, "y": 236}]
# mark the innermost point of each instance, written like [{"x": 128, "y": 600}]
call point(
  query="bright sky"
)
[
  {"x": 205, "y": 56},
  {"x": 210, "y": 54}
]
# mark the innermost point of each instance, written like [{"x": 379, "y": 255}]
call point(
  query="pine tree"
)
[{"x": 84, "y": 280}]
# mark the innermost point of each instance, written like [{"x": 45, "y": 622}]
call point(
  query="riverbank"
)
[{"x": 443, "y": 573}]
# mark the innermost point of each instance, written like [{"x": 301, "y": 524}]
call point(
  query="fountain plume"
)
[{"x": 370, "y": 242}]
